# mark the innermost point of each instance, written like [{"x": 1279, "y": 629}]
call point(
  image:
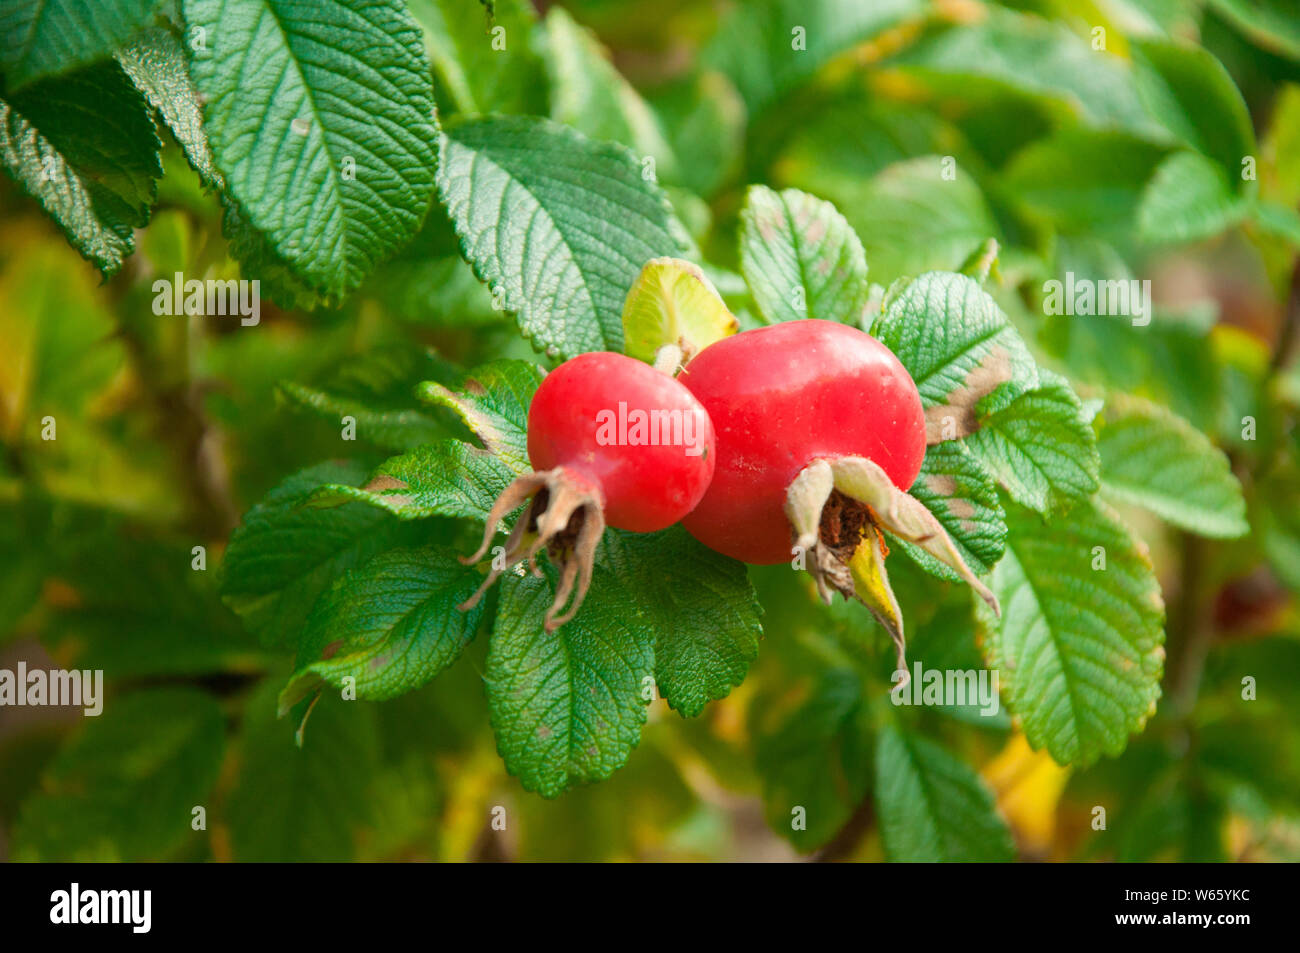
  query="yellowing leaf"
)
[
  {"x": 673, "y": 302},
  {"x": 1028, "y": 785}
]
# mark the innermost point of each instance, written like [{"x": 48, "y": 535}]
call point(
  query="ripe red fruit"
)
[
  {"x": 820, "y": 433},
  {"x": 781, "y": 397},
  {"x": 612, "y": 441}
]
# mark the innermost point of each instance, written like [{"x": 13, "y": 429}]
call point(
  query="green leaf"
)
[
  {"x": 155, "y": 61},
  {"x": 483, "y": 62},
  {"x": 959, "y": 347},
  {"x": 1188, "y": 199},
  {"x": 1279, "y": 523},
  {"x": 1079, "y": 648},
  {"x": 1272, "y": 24},
  {"x": 1153, "y": 458},
  {"x": 386, "y": 424},
  {"x": 932, "y": 806},
  {"x": 912, "y": 218},
  {"x": 124, "y": 788},
  {"x": 800, "y": 258},
  {"x": 54, "y": 36},
  {"x": 96, "y": 179},
  {"x": 674, "y": 302},
  {"x": 493, "y": 400},
  {"x": 816, "y": 764},
  {"x": 302, "y": 804},
  {"x": 696, "y": 604},
  {"x": 1030, "y": 56},
  {"x": 1040, "y": 446},
  {"x": 1083, "y": 180},
  {"x": 390, "y": 625},
  {"x": 955, "y": 488},
  {"x": 447, "y": 478},
  {"x": 284, "y": 554},
  {"x": 557, "y": 224},
  {"x": 567, "y": 706},
  {"x": 758, "y": 47},
  {"x": 322, "y": 121},
  {"x": 704, "y": 118},
  {"x": 589, "y": 94},
  {"x": 1189, "y": 92}
]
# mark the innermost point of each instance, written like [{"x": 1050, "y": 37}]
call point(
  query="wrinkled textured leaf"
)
[
  {"x": 558, "y": 224},
  {"x": 1079, "y": 650},
  {"x": 390, "y": 625},
  {"x": 954, "y": 487},
  {"x": 321, "y": 119},
  {"x": 800, "y": 258},
  {"x": 53, "y": 36}
]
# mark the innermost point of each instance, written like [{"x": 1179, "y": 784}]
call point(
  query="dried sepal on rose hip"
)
[
  {"x": 820, "y": 434},
  {"x": 612, "y": 441}
]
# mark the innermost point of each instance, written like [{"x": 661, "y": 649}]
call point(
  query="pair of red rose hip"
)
[{"x": 795, "y": 442}]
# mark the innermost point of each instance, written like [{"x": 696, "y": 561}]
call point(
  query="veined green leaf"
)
[
  {"x": 1153, "y": 458},
  {"x": 493, "y": 400},
  {"x": 567, "y": 706},
  {"x": 390, "y": 625},
  {"x": 932, "y": 806},
  {"x": 285, "y": 554},
  {"x": 84, "y": 147},
  {"x": 53, "y": 36},
  {"x": 321, "y": 119},
  {"x": 955, "y": 488},
  {"x": 1079, "y": 648},
  {"x": 800, "y": 258},
  {"x": 155, "y": 62},
  {"x": 557, "y": 224},
  {"x": 959, "y": 347},
  {"x": 1040, "y": 446},
  {"x": 696, "y": 604}
]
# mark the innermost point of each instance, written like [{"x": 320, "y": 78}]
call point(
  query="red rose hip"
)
[{"x": 612, "y": 441}]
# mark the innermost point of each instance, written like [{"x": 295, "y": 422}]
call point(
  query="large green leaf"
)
[
  {"x": 557, "y": 224},
  {"x": 697, "y": 604},
  {"x": 1084, "y": 180},
  {"x": 959, "y": 347},
  {"x": 321, "y": 119},
  {"x": 1153, "y": 458},
  {"x": 285, "y": 554},
  {"x": 954, "y": 487},
  {"x": 800, "y": 258},
  {"x": 1189, "y": 92},
  {"x": 1079, "y": 647},
  {"x": 914, "y": 218},
  {"x": 1188, "y": 199},
  {"x": 125, "y": 787},
  {"x": 1040, "y": 446},
  {"x": 567, "y": 706},
  {"x": 302, "y": 804},
  {"x": 492, "y": 400},
  {"x": 390, "y": 625},
  {"x": 44, "y": 37},
  {"x": 932, "y": 806},
  {"x": 84, "y": 147},
  {"x": 589, "y": 94}
]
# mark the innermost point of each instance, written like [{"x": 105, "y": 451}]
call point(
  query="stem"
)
[
  {"x": 1189, "y": 616},
  {"x": 1290, "y": 325}
]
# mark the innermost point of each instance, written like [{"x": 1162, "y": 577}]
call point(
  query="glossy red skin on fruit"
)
[
  {"x": 782, "y": 396},
  {"x": 643, "y": 487}
]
